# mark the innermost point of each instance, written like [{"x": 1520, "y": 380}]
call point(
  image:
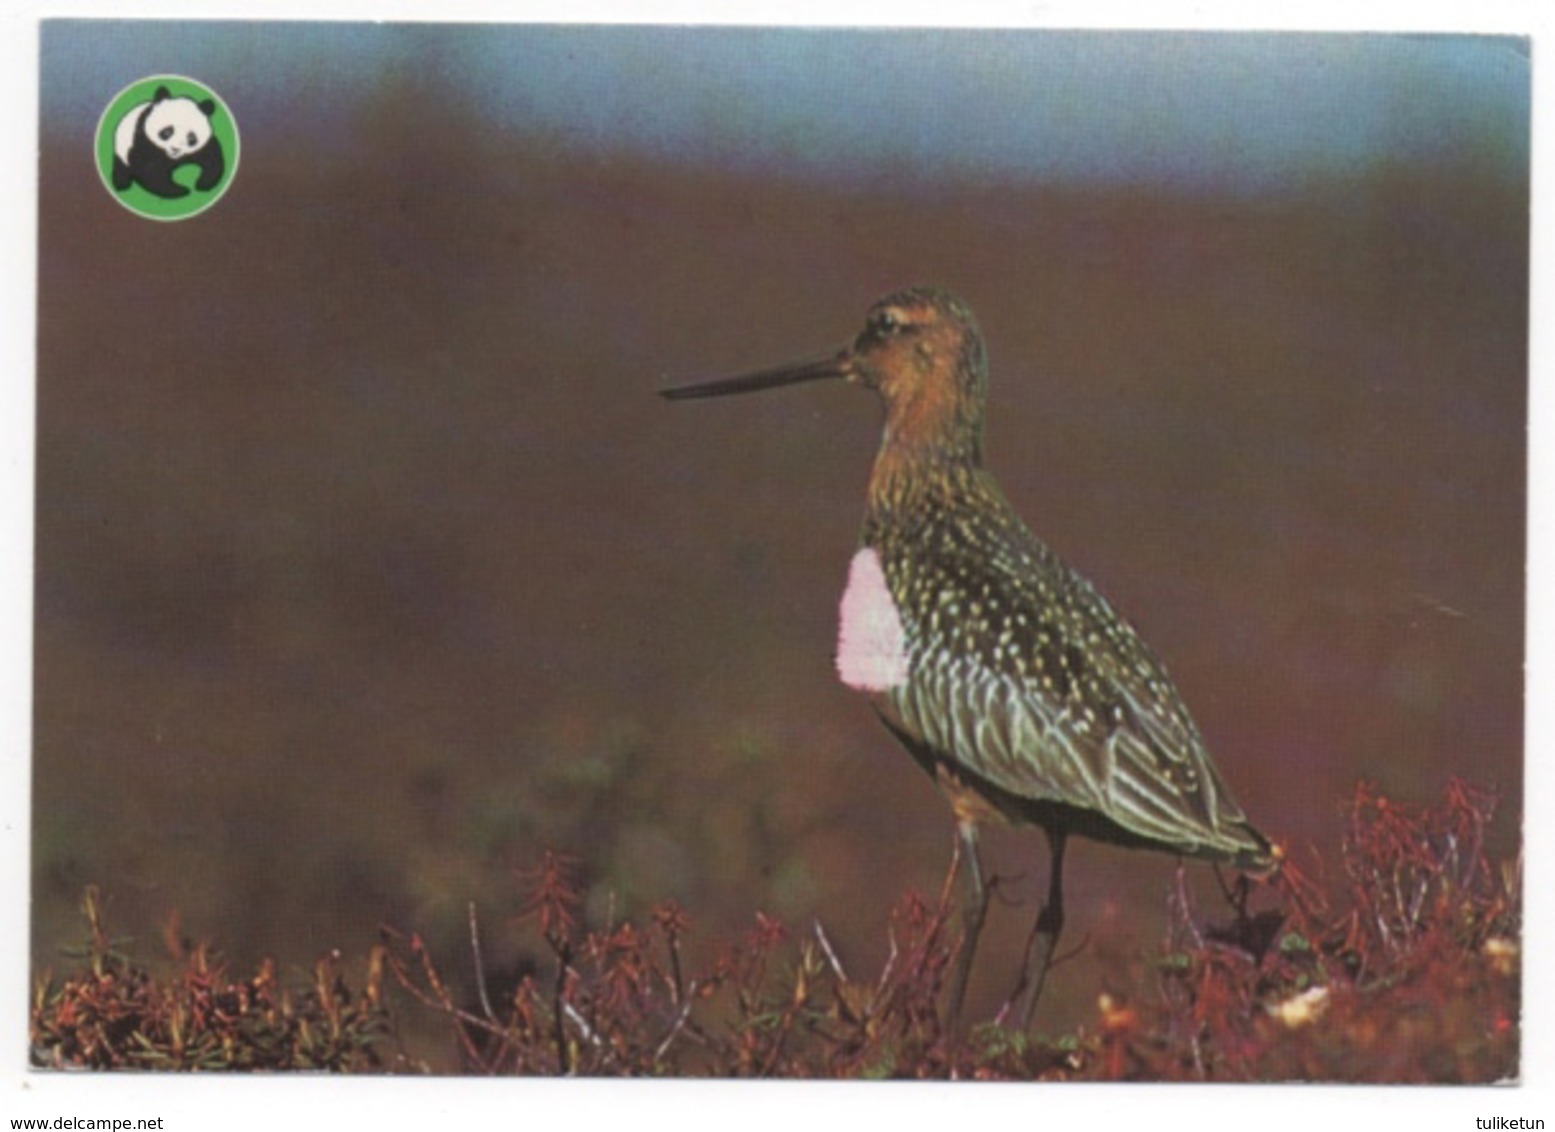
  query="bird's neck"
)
[{"x": 917, "y": 472}]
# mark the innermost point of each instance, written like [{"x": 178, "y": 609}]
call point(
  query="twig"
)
[
  {"x": 438, "y": 998},
  {"x": 558, "y": 1004},
  {"x": 584, "y": 1028},
  {"x": 675, "y": 1030},
  {"x": 480, "y": 966},
  {"x": 890, "y": 962},
  {"x": 1072, "y": 954},
  {"x": 831, "y": 956}
]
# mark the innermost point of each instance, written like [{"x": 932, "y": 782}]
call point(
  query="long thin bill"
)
[{"x": 825, "y": 368}]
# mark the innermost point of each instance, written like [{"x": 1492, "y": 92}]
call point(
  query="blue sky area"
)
[{"x": 1201, "y": 110}]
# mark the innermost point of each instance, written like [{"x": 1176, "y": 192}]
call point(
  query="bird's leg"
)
[
  {"x": 1043, "y": 941},
  {"x": 1186, "y": 906},
  {"x": 951, "y": 873},
  {"x": 973, "y": 909},
  {"x": 1237, "y": 893}
]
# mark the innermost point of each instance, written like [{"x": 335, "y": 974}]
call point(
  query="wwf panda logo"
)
[
  {"x": 159, "y": 136},
  {"x": 166, "y": 147}
]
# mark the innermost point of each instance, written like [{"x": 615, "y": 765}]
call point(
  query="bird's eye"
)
[{"x": 887, "y": 323}]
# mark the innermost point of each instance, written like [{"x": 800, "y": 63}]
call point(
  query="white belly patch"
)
[{"x": 871, "y": 647}]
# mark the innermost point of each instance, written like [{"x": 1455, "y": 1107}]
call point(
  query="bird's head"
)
[{"x": 920, "y": 350}]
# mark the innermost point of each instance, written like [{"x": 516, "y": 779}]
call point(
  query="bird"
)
[{"x": 1004, "y": 674}]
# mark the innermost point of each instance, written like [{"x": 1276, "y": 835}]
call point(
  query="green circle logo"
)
[{"x": 167, "y": 147}]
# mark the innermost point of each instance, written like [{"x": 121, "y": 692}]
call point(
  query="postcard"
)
[{"x": 726, "y": 551}]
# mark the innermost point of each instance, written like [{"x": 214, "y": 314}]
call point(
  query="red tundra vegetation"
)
[{"x": 1399, "y": 962}]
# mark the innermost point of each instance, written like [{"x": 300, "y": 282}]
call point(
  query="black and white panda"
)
[{"x": 157, "y": 137}]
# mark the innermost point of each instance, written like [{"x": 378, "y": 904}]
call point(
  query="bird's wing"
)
[{"x": 1052, "y": 697}]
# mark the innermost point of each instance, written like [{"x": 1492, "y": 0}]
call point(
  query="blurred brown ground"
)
[{"x": 369, "y": 566}]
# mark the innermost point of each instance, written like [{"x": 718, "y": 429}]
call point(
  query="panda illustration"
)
[{"x": 157, "y": 137}]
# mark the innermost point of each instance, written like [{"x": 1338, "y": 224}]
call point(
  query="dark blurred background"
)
[{"x": 369, "y": 566}]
